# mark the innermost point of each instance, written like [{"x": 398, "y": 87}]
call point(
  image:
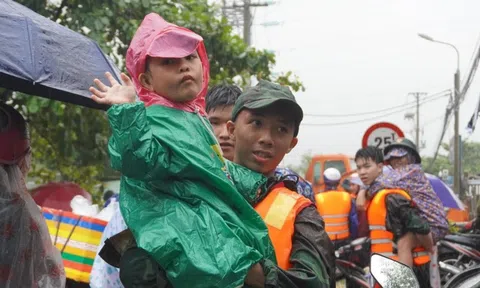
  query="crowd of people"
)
[{"x": 203, "y": 201}]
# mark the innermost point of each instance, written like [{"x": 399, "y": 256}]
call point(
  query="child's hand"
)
[{"x": 117, "y": 94}]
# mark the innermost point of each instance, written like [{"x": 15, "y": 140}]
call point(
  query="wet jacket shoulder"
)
[
  {"x": 403, "y": 216},
  {"x": 312, "y": 256}
]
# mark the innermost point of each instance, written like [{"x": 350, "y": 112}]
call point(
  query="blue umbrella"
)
[
  {"x": 43, "y": 58},
  {"x": 445, "y": 193}
]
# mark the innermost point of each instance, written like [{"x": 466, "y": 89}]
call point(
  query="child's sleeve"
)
[
  {"x": 246, "y": 181},
  {"x": 133, "y": 149}
]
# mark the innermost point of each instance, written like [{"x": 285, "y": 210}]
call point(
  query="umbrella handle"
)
[
  {"x": 70, "y": 235},
  {"x": 58, "y": 228}
]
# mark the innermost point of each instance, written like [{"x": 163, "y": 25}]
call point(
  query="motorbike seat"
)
[{"x": 472, "y": 242}]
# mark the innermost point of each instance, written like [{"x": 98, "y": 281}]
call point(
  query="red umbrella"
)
[{"x": 58, "y": 195}]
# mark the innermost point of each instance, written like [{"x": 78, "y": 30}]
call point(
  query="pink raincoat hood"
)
[{"x": 157, "y": 38}]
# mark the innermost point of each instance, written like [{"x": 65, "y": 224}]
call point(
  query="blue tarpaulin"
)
[{"x": 43, "y": 58}]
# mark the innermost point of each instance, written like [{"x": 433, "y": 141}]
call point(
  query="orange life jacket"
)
[
  {"x": 279, "y": 210},
  {"x": 334, "y": 207},
  {"x": 382, "y": 240}
]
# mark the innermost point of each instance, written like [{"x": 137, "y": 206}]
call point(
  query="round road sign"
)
[{"x": 381, "y": 135}]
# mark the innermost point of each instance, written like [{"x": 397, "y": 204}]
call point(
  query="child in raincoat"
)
[{"x": 184, "y": 203}]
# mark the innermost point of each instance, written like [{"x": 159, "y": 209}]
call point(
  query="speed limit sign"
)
[{"x": 381, "y": 135}]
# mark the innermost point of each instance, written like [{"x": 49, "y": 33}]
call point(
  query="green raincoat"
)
[{"x": 184, "y": 203}]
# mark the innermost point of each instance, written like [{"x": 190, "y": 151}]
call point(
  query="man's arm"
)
[
  {"x": 361, "y": 201},
  {"x": 353, "y": 221},
  {"x": 312, "y": 256},
  {"x": 403, "y": 216}
]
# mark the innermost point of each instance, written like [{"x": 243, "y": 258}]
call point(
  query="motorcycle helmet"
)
[{"x": 14, "y": 142}]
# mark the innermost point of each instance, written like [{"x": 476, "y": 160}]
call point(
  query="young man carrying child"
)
[
  {"x": 265, "y": 124},
  {"x": 392, "y": 215},
  {"x": 183, "y": 202},
  {"x": 158, "y": 162}
]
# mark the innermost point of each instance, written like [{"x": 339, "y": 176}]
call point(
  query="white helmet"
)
[{"x": 332, "y": 175}]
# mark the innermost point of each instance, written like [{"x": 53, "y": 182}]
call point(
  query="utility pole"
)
[
  {"x": 457, "y": 178},
  {"x": 246, "y": 15},
  {"x": 247, "y": 23},
  {"x": 417, "y": 96}
]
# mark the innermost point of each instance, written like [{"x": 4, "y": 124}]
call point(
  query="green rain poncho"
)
[{"x": 183, "y": 202}]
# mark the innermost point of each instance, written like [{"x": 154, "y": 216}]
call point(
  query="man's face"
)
[
  {"x": 219, "y": 117},
  {"x": 262, "y": 138},
  {"x": 368, "y": 170}
]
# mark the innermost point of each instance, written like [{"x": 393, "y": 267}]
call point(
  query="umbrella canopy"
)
[
  {"x": 58, "y": 195},
  {"x": 445, "y": 193},
  {"x": 43, "y": 58}
]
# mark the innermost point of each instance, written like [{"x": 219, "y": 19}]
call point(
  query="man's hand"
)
[
  {"x": 117, "y": 94},
  {"x": 361, "y": 200},
  {"x": 255, "y": 277}
]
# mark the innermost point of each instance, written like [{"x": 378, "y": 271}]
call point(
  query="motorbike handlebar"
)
[{"x": 355, "y": 245}]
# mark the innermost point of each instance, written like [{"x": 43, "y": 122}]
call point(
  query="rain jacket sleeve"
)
[
  {"x": 133, "y": 149},
  {"x": 312, "y": 256},
  {"x": 403, "y": 217},
  {"x": 249, "y": 190}
]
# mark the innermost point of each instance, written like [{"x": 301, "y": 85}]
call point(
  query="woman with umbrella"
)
[{"x": 28, "y": 258}]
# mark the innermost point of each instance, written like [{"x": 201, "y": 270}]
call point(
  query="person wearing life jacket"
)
[
  {"x": 263, "y": 132},
  {"x": 391, "y": 214},
  {"x": 337, "y": 209},
  {"x": 407, "y": 173}
]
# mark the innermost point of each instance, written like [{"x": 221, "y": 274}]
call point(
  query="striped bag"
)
[{"x": 77, "y": 237}]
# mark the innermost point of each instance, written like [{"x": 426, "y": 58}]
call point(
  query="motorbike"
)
[
  {"x": 469, "y": 278},
  {"x": 457, "y": 253},
  {"x": 349, "y": 263}
]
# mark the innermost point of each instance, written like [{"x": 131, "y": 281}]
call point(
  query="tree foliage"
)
[
  {"x": 69, "y": 142},
  {"x": 302, "y": 167},
  {"x": 470, "y": 160}
]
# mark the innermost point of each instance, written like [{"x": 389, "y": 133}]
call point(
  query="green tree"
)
[
  {"x": 440, "y": 164},
  {"x": 470, "y": 159},
  {"x": 69, "y": 142},
  {"x": 302, "y": 167}
]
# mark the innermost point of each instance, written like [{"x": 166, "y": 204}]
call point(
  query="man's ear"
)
[
  {"x": 231, "y": 129},
  {"x": 380, "y": 165},
  {"x": 146, "y": 81},
  {"x": 293, "y": 144}
]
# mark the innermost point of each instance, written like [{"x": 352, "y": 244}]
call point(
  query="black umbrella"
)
[{"x": 41, "y": 57}]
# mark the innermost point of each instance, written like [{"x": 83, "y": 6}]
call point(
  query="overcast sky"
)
[{"x": 360, "y": 56}]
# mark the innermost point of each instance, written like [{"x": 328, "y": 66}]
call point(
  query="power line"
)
[
  {"x": 442, "y": 93},
  {"x": 374, "y": 117}
]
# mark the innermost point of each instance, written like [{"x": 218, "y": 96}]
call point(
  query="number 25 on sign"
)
[{"x": 381, "y": 135}]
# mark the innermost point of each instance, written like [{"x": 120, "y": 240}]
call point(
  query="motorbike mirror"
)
[{"x": 391, "y": 274}]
